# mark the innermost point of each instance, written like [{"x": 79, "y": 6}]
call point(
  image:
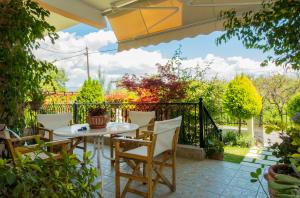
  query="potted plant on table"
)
[
  {"x": 97, "y": 117},
  {"x": 215, "y": 149}
]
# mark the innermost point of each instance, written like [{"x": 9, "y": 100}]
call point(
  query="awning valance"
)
[{"x": 153, "y": 22}]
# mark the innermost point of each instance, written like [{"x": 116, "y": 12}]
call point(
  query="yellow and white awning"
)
[{"x": 138, "y": 23}]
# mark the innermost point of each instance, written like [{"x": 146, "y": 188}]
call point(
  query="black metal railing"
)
[{"x": 197, "y": 126}]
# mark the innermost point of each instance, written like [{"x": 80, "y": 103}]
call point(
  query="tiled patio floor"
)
[{"x": 207, "y": 179}]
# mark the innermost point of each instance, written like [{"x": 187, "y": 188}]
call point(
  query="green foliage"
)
[
  {"x": 276, "y": 91},
  {"x": 255, "y": 177},
  {"x": 241, "y": 100},
  {"x": 211, "y": 92},
  {"x": 243, "y": 140},
  {"x": 293, "y": 106},
  {"x": 58, "y": 83},
  {"x": 230, "y": 138},
  {"x": 214, "y": 147},
  {"x": 49, "y": 178},
  {"x": 275, "y": 27},
  {"x": 22, "y": 25},
  {"x": 285, "y": 149},
  {"x": 91, "y": 92},
  {"x": 285, "y": 185}
]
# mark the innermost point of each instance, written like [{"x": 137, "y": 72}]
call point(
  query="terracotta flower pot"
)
[
  {"x": 35, "y": 106},
  {"x": 97, "y": 122},
  {"x": 217, "y": 156},
  {"x": 271, "y": 172}
]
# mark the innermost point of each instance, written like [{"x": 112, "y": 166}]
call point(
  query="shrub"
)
[
  {"x": 230, "y": 138},
  {"x": 214, "y": 147},
  {"x": 241, "y": 100},
  {"x": 91, "y": 92},
  {"x": 245, "y": 140},
  {"x": 49, "y": 178},
  {"x": 293, "y": 106},
  {"x": 284, "y": 149}
]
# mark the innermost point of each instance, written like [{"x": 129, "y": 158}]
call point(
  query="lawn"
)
[{"x": 235, "y": 154}]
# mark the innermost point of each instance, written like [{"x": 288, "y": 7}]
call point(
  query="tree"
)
[
  {"x": 293, "y": 106},
  {"x": 58, "y": 83},
  {"x": 90, "y": 92},
  {"x": 276, "y": 91},
  {"x": 241, "y": 100},
  {"x": 275, "y": 28},
  {"x": 22, "y": 25},
  {"x": 210, "y": 90},
  {"x": 162, "y": 87}
]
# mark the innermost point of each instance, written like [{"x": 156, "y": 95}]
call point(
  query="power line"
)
[
  {"x": 67, "y": 58},
  {"x": 60, "y": 52},
  {"x": 109, "y": 50}
]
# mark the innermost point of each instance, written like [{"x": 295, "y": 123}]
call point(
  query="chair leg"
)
[
  {"x": 174, "y": 171},
  {"x": 111, "y": 144},
  {"x": 149, "y": 179},
  {"x": 84, "y": 144},
  {"x": 117, "y": 177}
]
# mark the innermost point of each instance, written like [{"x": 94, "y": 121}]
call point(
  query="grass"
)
[{"x": 235, "y": 154}]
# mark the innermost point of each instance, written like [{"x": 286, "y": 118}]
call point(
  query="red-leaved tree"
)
[{"x": 165, "y": 86}]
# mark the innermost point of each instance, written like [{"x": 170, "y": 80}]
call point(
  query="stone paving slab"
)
[
  {"x": 253, "y": 151},
  {"x": 265, "y": 162},
  {"x": 273, "y": 158},
  {"x": 248, "y": 159},
  {"x": 252, "y": 155},
  {"x": 260, "y": 156},
  {"x": 266, "y": 152},
  {"x": 250, "y": 164}
]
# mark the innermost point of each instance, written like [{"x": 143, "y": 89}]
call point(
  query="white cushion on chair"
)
[{"x": 142, "y": 151}]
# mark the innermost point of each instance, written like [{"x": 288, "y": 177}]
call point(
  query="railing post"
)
[
  {"x": 75, "y": 112},
  {"x": 201, "y": 123}
]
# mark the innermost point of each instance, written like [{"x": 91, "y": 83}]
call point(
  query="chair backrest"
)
[
  {"x": 141, "y": 118},
  {"x": 54, "y": 121},
  {"x": 165, "y": 131}
]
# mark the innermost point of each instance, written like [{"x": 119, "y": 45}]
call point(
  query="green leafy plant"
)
[
  {"x": 241, "y": 100},
  {"x": 22, "y": 25},
  {"x": 97, "y": 111},
  {"x": 214, "y": 147},
  {"x": 49, "y": 178},
  {"x": 90, "y": 92},
  {"x": 255, "y": 177},
  {"x": 274, "y": 27},
  {"x": 285, "y": 149},
  {"x": 285, "y": 185},
  {"x": 245, "y": 140},
  {"x": 293, "y": 106},
  {"x": 230, "y": 138}
]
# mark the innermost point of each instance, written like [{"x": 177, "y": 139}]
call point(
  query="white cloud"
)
[{"x": 134, "y": 61}]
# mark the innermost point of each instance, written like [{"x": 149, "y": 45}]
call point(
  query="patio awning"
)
[
  {"x": 153, "y": 22},
  {"x": 138, "y": 23},
  {"x": 66, "y": 13}
]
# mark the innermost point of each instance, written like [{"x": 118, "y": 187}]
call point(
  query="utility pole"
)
[{"x": 87, "y": 61}]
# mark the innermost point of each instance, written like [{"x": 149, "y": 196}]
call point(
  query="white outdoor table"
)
[{"x": 111, "y": 129}]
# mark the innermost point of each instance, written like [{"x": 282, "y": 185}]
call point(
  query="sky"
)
[{"x": 226, "y": 60}]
